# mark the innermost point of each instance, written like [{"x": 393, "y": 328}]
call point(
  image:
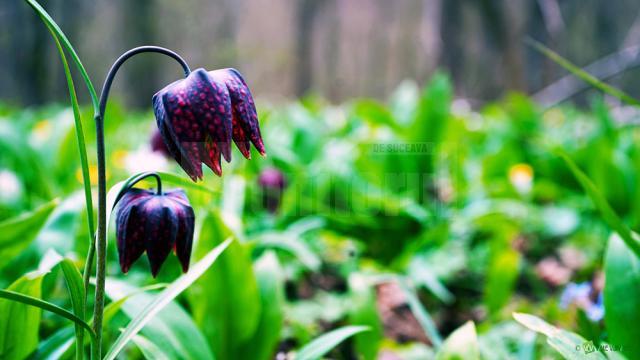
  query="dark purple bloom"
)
[
  {"x": 272, "y": 178},
  {"x": 157, "y": 143},
  {"x": 157, "y": 223},
  {"x": 200, "y": 115},
  {"x": 272, "y": 181}
]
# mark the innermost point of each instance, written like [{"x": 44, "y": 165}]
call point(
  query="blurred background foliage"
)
[{"x": 412, "y": 216}]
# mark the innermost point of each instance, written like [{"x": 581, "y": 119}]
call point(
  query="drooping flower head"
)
[
  {"x": 156, "y": 223},
  {"x": 157, "y": 143},
  {"x": 272, "y": 178},
  {"x": 199, "y": 116},
  {"x": 273, "y": 182}
]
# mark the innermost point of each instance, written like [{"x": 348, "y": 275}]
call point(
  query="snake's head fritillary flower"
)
[
  {"x": 272, "y": 181},
  {"x": 157, "y": 143},
  {"x": 272, "y": 178},
  {"x": 199, "y": 116},
  {"x": 155, "y": 223}
]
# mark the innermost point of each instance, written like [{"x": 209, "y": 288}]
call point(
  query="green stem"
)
[{"x": 101, "y": 241}]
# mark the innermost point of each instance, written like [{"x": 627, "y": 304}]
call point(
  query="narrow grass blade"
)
[
  {"x": 164, "y": 298},
  {"x": 61, "y": 40},
  {"x": 323, "y": 344},
  {"x": 583, "y": 75},
  {"x": 149, "y": 349},
  {"x": 76, "y": 293},
  {"x": 112, "y": 309},
  {"x": 45, "y": 305},
  {"x": 608, "y": 214},
  {"x": 422, "y": 315}
]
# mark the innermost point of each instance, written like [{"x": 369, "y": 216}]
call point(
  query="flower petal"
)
[
  {"x": 245, "y": 117},
  {"x": 186, "y": 220},
  {"x": 213, "y": 108},
  {"x": 161, "y": 229},
  {"x": 184, "y": 238},
  {"x": 181, "y": 155},
  {"x": 130, "y": 227}
]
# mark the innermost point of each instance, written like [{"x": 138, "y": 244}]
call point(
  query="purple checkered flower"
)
[
  {"x": 200, "y": 115},
  {"x": 156, "y": 223}
]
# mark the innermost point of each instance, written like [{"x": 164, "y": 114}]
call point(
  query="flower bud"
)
[{"x": 155, "y": 223}]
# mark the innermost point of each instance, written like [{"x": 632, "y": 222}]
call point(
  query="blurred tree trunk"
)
[
  {"x": 28, "y": 56},
  {"x": 513, "y": 18},
  {"x": 452, "y": 53},
  {"x": 138, "y": 24},
  {"x": 307, "y": 10}
]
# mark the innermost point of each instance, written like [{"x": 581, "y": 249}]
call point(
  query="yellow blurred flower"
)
[
  {"x": 118, "y": 158},
  {"x": 93, "y": 174},
  {"x": 553, "y": 117},
  {"x": 521, "y": 177},
  {"x": 42, "y": 131}
]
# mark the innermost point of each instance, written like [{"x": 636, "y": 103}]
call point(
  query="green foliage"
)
[
  {"x": 232, "y": 313},
  {"x": 20, "y": 311},
  {"x": 17, "y": 233},
  {"x": 76, "y": 289},
  {"x": 364, "y": 312},
  {"x": 568, "y": 344},
  {"x": 323, "y": 344},
  {"x": 622, "y": 296},
  {"x": 147, "y": 312},
  {"x": 461, "y": 227},
  {"x": 601, "y": 203},
  {"x": 171, "y": 331},
  {"x": 461, "y": 344},
  {"x": 265, "y": 338}
]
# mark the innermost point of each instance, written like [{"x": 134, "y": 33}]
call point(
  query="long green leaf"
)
[
  {"x": 568, "y": 344},
  {"x": 77, "y": 294},
  {"x": 61, "y": 40},
  {"x": 231, "y": 313},
  {"x": 164, "y": 298},
  {"x": 172, "y": 330},
  {"x": 264, "y": 341},
  {"x": 622, "y": 297},
  {"x": 113, "y": 307},
  {"x": 608, "y": 214},
  {"x": 16, "y": 233},
  {"x": 583, "y": 75},
  {"x": 44, "y": 305},
  {"x": 422, "y": 315},
  {"x": 323, "y": 344},
  {"x": 363, "y": 311},
  {"x": 57, "y": 344},
  {"x": 150, "y": 350}
]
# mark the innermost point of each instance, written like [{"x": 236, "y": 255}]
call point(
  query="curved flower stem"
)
[
  {"x": 101, "y": 241},
  {"x": 131, "y": 182}
]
